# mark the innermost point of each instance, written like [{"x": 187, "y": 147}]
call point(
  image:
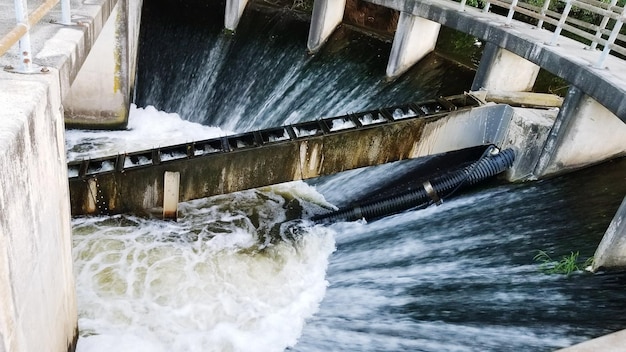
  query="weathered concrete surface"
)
[
  {"x": 37, "y": 294},
  {"x": 234, "y": 11},
  {"x": 326, "y": 16},
  {"x": 38, "y": 300},
  {"x": 611, "y": 253},
  {"x": 584, "y": 133},
  {"x": 567, "y": 60},
  {"x": 415, "y": 37},
  {"x": 501, "y": 70},
  {"x": 614, "y": 342},
  {"x": 527, "y": 134},
  {"x": 100, "y": 95}
]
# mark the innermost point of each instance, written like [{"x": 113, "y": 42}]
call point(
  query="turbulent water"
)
[{"x": 235, "y": 273}]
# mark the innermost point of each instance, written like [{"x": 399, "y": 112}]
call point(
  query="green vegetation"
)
[
  {"x": 567, "y": 265},
  {"x": 302, "y": 5}
]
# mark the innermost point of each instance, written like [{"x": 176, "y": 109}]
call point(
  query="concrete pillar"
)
[
  {"x": 234, "y": 11},
  {"x": 415, "y": 37},
  {"x": 583, "y": 134},
  {"x": 326, "y": 16},
  {"x": 171, "y": 194},
  {"x": 100, "y": 95},
  {"x": 501, "y": 70},
  {"x": 611, "y": 253}
]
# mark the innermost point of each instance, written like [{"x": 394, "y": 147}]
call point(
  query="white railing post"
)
[
  {"x": 509, "y": 17},
  {"x": 611, "y": 40},
  {"x": 544, "y": 9},
  {"x": 462, "y": 8},
  {"x": 557, "y": 31},
  {"x": 21, "y": 16},
  {"x": 486, "y": 8},
  {"x": 66, "y": 12},
  {"x": 601, "y": 27}
]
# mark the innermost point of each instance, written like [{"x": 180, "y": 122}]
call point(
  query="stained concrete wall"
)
[
  {"x": 326, "y": 16},
  {"x": 140, "y": 188},
  {"x": 415, "y": 37},
  {"x": 37, "y": 294},
  {"x": 234, "y": 11},
  {"x": 501, "y": 70},
  {"x": 584, "y": 133},
  {"x": 100, "y": 94}
]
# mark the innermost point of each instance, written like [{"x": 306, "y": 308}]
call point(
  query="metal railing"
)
[
  {"x": 586, "y": 32},
  {"x": 21, "y": 32}
]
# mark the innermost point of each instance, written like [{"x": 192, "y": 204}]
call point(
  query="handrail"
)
[
  {"x": 594, "y": 34},
  {"x": 20, "y": 33}
]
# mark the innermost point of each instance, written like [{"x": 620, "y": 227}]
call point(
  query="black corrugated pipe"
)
[{"x": 490, "y": 164}]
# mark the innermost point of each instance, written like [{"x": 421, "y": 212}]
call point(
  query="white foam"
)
[
  {"x": 218, "y": 279},
  {"x": 147, "y": 128},
  {"x": 202, "y": 284}
]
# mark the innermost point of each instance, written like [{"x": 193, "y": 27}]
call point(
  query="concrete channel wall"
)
[
  {"x": 37, "y": 294},
  {"x": 38, "y": 309}
]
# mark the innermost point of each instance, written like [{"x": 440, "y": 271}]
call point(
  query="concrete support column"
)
[
  {"x": 100, "y": 95},
  {"x": 415, "y": 37},
  {"x": 326, "y": 16},
  {"x": 234, "y": 10},
  {"x": 611, "y": 253},
  {"x": 501, "y": 70},
  {"x": 584, "y": 133}
]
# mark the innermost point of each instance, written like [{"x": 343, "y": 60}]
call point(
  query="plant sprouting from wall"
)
[
  {"x": 567, "y": 265},
  {"x": 302, "y": 5}
]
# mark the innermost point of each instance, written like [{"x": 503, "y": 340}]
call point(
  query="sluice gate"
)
[{"x": 140, "y": 182}]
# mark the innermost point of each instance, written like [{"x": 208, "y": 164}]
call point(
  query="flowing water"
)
[{"x": 232, "y": 274}]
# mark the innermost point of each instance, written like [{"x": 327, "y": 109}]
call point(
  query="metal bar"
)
[
  {"x": 66, "y": 12},
  {"x": 557, "y": 31},
  {"x": 22, "y": 27},
  {"x": 605, "y": 21},
  {"x": 21, "y": 16},
  {"x": 509, "y": 16},
  {"x": 546, "y": 4},
  {"x": 462, "y": 8},
  {"x": 12, "y": 37},
  {"x": 610, "y": 41}
]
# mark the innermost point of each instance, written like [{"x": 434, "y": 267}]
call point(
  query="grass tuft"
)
[{"x": 567, "y": 265}]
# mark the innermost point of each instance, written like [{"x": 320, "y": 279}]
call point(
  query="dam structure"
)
[{"x": 73, "y": 63}]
